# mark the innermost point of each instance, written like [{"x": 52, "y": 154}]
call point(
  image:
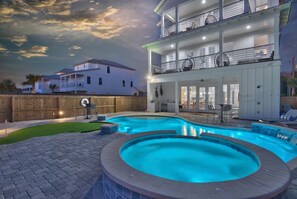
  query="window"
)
[
  {"x": 88, "y": 80},
  {"x": 108, "y": 69},
  {"x": 131, "y": 84},
  {"x": 124, "y": 83},
  {"x": 100, "y": 81}
]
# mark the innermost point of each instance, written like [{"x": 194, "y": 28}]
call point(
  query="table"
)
[{"x": 221, "y": 116}]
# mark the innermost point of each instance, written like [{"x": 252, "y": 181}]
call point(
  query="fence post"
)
[
  {"x": 12, "y": 109},
  {"x": 115, "y": 104}
]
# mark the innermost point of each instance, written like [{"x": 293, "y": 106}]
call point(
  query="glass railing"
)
[
  {"x": 212, "y": 16},
  {"x": 235, "y": 57}
]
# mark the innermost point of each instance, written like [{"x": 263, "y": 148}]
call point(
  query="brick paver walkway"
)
[{"x": 61, "y": 166}]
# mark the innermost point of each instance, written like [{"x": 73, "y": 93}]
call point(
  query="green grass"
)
[{"x": 49, "y": 129}]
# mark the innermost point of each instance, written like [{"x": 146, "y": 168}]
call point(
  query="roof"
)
[
  {"x": 57, "y": 77},
  {"x": 64, "y": 71},
  {"x": 106, "y": 62}
]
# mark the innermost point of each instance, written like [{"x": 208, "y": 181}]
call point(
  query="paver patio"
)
[{"x": 61, "y": 166}]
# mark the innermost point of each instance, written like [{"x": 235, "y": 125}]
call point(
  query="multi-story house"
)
[
  {"x": 99, "y": 77},
  {"x": 217, "y": 52},
  {"x": 43, "y": 85}
]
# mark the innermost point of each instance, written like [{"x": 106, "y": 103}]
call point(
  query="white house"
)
[
  {"x": 99, "y": 77},
  {"x": 43, "y": 85},
  {"x": 217, "y": 52}
]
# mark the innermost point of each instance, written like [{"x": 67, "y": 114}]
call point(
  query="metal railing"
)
[
  {"x": 229, "y": 11},
  {"x": 235, "y": 57},
  {"x": 73, "y": 85}
]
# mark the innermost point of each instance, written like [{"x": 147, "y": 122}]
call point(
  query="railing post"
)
[
  {"x": 221, "y": 10},
  {"x": 176, "y": 55}
]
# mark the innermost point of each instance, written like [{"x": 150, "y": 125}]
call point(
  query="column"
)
[
  {"x": 149, "y": 71},
  {"x": 75, "y": 83},
  {"x": 162, "y": 25},
  {"x": 221, "y": 10},
  {"x": 176, "y": 97},
  {"x": 219, "y": 91},
  {"x": 246, "y": 6},
  {"x": 276, "y": 36},
  {"x": 221, "y": 47},
  {"x": 176, "y": 56},
  {"x": 177, "y": 19}
]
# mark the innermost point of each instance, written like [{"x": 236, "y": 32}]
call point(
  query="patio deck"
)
[{"x": 66, "y": 165}]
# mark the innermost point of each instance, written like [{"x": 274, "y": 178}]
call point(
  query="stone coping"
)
[{"x": 270, "y": 180}]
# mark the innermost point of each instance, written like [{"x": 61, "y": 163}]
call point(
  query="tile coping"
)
[{"x": 271, "y": 179}]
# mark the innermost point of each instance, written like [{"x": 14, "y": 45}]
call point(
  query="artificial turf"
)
[{"x": 49, "y": 129}]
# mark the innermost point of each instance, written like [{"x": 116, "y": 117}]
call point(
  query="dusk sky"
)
[{"x": 45, "y": 36}]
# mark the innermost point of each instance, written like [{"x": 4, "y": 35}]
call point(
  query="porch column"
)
[
  {"x": 220, "y": 91},
  {"x": 276, "y": 36},
  {"x": 176, "y": 97},
  {"x": 177, "y": 19},
  {"x": 162, "y": 25},
  {"x": 246, "y": 6},
  {"x": 221, "y": 47},
  {"x": 149, "y": 55},
  {"x": 221, "y": 10},
  {"x": 75, "y": 83},
  {"x": 176, "y": 56}
]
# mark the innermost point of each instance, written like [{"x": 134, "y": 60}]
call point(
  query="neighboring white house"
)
[
  {"x": 99, "y": 77},
  {"x": 43, "y": 85},
  {"x": 217, "y": 52}
]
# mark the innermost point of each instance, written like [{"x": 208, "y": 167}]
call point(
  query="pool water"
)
[
  {"x": 188, "y": 160},
  {"x": 137, "y": 124}
]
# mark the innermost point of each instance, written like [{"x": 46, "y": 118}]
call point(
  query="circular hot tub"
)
[
  {"x": 188, "y": 159},
  {"x": 166, "y": 165}
]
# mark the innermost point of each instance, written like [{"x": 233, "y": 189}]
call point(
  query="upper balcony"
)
[{"x": 198, "y": 13}]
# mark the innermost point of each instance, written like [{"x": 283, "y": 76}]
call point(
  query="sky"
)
[{"x": 45, "y": 36}]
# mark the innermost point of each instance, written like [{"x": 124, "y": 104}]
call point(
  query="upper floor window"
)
[
  {"x": 100, "y": 81},
  {"x": 88, "y": 80},
  {"x": 131, "y": 84},
  {"x": 108, "y": 69},
  {"x": 123, "y": 83}
]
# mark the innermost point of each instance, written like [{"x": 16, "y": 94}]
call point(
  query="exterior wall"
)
[
  {"x": 43, "y": 86},
  {"x": 112, "y": 83},
  {"x": 254, "y": 103}
]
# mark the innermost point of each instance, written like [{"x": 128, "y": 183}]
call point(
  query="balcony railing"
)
[
  {"x": 212, "y": 16},
  {"x": 235, "y": 57},
  {"x": 73, "y": 85}
]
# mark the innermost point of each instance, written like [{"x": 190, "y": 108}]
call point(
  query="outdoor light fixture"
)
[
  {"x": 203, "y": 38},
  {"x": 172, "y": 46},
  {"x": 203, "y": 1},
  {"x": 61, "y": 113},
  {"x": 248, "y": 27}
]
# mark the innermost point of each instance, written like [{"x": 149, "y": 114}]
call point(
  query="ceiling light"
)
[
  {"x": 203, "y": 1},
  {"x": 172, "y": 46},
  {"x": 248, "y": 27},
  {"x": 203, "y": 38}
]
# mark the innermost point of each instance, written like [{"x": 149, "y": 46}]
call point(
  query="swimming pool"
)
[{"x": 137, "y": 124}]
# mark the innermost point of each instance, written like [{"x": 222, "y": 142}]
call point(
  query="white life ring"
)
[{"x": 84, "y": 102}]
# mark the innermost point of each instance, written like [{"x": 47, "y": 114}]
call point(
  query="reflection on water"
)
[{"x": 132, "y": 125}]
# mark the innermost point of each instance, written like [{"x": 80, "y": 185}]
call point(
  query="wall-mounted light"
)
[
  {"x": 248, "y": 27},
  {"x": 171, "y": 46},
  {"x": 203, "y": 1},
  {"x": 259, "y": 86},
  {"x": 61, "y": 113},
  {"x": 204, "y": 37}
]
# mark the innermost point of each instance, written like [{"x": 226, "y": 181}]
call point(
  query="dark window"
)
[
  {"x": 124, "y": 83},
  {"x": 100, "y": 81},
  {"x": 108, "y": 69},
  {"x": 88, "y": 80},
  {"x": 131, "y": 84}
]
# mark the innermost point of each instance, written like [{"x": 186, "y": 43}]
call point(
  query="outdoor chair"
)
[
  {"x": 227, "y": 113},
  {"x": 286, "y": 107}
]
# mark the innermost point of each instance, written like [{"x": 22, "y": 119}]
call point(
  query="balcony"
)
[
  {"x": 257, "y": 54},
  {"x": 193, "y": 15},
  {"x": 73, "y": 85}
]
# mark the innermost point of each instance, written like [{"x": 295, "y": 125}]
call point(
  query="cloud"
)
[
  {"x": 2, "y": 49},
  {"x": 71, "y": 55},
  {"x": 75, "y": 48},
  {"x": 34, "y": 51},
  {"x": 18, "y": 40}
]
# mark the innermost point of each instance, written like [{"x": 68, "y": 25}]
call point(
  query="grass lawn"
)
[{"x": 49, "y": 129}]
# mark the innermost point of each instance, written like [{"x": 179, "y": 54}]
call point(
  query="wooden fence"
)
[{"x": 38, "y": 107}]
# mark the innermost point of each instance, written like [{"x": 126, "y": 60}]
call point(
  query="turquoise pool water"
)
[
  {"x": 137, "y": 124},
  {"x": 188, "y": 160}
]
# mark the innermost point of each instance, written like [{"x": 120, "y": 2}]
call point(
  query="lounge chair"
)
[
  {"x": 291, "y": 115},
  {"x": 286, "y": 107}
]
